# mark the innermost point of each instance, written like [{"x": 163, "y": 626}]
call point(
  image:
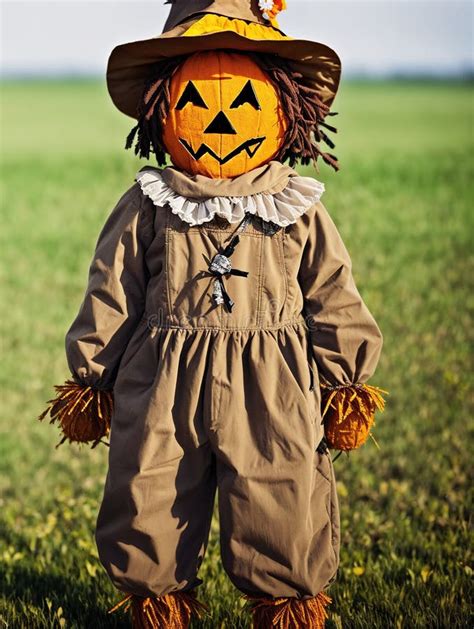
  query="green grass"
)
[{"x": 403, "y": 203}]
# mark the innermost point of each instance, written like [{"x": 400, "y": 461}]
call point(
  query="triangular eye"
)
[
  {"x": 247, "y": 95},
  {"x": 191, "y": 95}
]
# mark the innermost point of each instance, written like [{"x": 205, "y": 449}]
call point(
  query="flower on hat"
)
[{"x": 271, "y": 8}]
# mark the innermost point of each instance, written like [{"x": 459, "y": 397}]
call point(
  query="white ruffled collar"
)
[{"x": 282, "y": 208}]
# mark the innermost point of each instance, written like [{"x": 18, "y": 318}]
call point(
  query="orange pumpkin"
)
[{"x": 225, "y": 116}]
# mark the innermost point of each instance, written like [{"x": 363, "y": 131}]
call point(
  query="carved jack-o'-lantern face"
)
[{"x": 225, "y": 116}]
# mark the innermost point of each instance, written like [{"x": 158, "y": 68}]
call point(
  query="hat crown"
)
[{"x": 182, "y": 10}]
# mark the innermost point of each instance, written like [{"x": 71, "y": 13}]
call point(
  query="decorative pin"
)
[
  {"x": 217, "y": 293},
  {"x": 220, "y": 266}
]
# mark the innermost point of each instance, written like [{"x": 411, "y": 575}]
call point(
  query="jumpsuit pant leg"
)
[
  {"x": 153, "y": 526},
  {"x": 280, "y": 536},
  {"x": 278, "y": 506},
  {"x": 154, "y": 520}
]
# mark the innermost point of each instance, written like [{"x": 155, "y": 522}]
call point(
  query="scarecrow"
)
[{"x": 222, "y": 345}]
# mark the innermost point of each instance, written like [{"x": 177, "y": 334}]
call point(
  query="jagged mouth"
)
[{"x": 249, "y": 146}]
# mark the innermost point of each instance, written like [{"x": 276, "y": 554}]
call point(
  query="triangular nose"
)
[{"x": 220, "y": 124}]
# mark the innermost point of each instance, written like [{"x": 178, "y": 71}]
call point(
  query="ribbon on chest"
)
[{"x": 221, "y": 266}]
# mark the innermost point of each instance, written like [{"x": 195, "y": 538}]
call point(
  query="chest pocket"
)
[{"x": 190, "y": 250}]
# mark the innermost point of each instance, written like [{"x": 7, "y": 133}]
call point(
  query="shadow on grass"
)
[
  {"x": 40, "y": 600},
  {"x": 53, "y": 597}
]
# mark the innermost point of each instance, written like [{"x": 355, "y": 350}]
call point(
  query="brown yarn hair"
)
[{"x": 304, "y": 110}]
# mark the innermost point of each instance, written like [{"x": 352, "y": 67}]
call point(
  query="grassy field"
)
[{"x": 403, "y": 203}]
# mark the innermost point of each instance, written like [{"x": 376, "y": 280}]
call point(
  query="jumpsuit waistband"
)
[{"x": 154, "y": 322}]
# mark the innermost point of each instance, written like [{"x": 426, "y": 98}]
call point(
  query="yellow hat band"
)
[{"x": 212, "y": 23}]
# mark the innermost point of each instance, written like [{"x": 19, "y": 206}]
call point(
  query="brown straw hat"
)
[{"x": 199, "y": 25}]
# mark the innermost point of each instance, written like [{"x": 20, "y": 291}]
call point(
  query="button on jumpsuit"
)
[{"x": 214, "y": 402}]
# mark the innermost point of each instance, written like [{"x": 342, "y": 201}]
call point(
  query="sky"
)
[{"x": 372, "y": 37}]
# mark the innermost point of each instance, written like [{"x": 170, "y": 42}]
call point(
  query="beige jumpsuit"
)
[{"x": 209, "y": 400}]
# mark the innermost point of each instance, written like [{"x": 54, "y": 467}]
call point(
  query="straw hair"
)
[
  {"x": 153, "y": 108},
  {"x": 305, "y": 112}
]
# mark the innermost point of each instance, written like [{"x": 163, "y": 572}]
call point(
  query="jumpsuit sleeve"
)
[
  {"x": 112, "y": 306},
  {"x": 344, "y": 336}
]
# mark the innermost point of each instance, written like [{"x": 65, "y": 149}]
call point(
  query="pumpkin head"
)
[{"x": 225, "y": 116}]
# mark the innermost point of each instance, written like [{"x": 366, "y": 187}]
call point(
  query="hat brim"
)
[{"x": 129, "y": 64}]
